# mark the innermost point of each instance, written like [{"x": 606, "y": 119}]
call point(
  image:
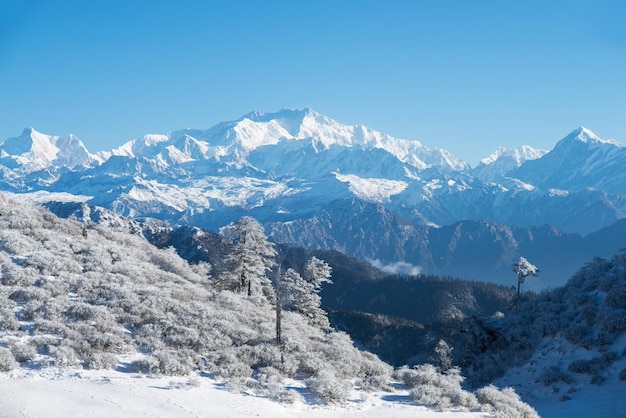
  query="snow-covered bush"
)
[
  {"x": 64, "y": 356},
  {"x": 373, "y": 374},
  {"x": 171, "y": 364},
  {"x": 554, "y": 374},
  {"x": 100, "y": 361},
  {"x": 23, "y": 352},
  {"x": 147, "y": 365},
  {"x": 328, "y": 387},
  {"x": 14, "y": 275},
  {"x": 504, "y": 403},
  {"x": 435, "y": 389},
  {"x": 7, "y": 361},
  {"x": 8, "y": 321},
  {"x": 593, "y": 365}
]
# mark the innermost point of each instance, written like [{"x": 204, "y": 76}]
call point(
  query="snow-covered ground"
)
[
  {"x": 606, "y": 401},
  {"x": 55, "y": 393}
]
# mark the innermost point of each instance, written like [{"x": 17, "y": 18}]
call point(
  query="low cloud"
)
[{"x": 399, "y": 267}]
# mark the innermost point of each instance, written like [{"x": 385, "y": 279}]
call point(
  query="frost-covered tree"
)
[
  {"x": 316, "y": 272},
  {"x": 250, "y": 257},
  {"x": 523, "y": 268},
  {"x": 443, "y": 355},
  {"x": 301, "y": 294}
]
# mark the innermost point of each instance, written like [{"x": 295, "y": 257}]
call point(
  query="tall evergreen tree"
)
[
  {"x": 250, "y": 257},
  {"x": 301, "y": 294}
]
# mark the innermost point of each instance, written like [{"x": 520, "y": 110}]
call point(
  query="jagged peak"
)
[
  {"x": 583, "y": 134},
  {"x": 519, "y": 155},
  {"x": 587, "y": 136},
  {"x": 261, "y": 116}
]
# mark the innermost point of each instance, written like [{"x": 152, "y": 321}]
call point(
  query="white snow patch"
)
[
  {"x": 43, "y": 196},
  {"x": 375, "y": 190},
  {"x": 56, "y": 393},
  {"x": 558, "y": 192}
]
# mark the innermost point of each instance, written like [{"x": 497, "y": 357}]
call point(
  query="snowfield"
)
[{"x": 60, "y": 393}]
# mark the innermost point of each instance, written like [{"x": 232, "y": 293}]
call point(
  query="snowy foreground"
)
[{"x": 53, "y": 393}]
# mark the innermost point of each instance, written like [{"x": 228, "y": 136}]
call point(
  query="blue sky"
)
[{"x": 466, "y": 76}]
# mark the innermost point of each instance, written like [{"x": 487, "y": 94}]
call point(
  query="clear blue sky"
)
[{"x": 463, "y": 75}]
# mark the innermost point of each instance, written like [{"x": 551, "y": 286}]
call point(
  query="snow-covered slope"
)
[
  {"x": 102, "y": 323},
  {"x": 579, "y": 161}
]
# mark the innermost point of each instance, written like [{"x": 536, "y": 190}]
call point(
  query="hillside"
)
[{"x": 88, "y": 300}]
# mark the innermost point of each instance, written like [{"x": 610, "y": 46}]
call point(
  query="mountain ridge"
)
[{"x": 313, "y": 181}]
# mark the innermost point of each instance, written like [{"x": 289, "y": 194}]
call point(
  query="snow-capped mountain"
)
[
  {"x": 33, "y": 151},
  {"x": 315, "y": 182},
  {"x": 579, "y": 161},
  {"x": 502, "y": 161}
]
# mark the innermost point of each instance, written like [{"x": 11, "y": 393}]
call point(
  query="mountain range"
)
[{"x": 314, "y": 182}]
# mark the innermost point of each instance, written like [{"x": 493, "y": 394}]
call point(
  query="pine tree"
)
[
  {"x": 443, "y": 355},
  {"x": 301, "y": 294},
  {"x": 249, "y": 257}
]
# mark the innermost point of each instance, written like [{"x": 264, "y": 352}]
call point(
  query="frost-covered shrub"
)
[
  {"x": 285, "y": 396},
  {"x": 52, "y": 264},
  {"x": 100, "y": 361},
  {"x": 23, "y": 352},
  {"x": 610, "y": 326},
  {"x": 310, "y": 362},
  {"x": 594, "y": 365},
  {"x": 147, "y": 365},
  {"x": 29, "y": 294},
  {"x": 50, "y": 309},
  {"x": 64, "y": 356},
  {"x": 553, "y": 374},
  {"x": 79, "y": 312},
  {"x": 576, "y": 333},
  {"x": 344, "y": 358},
  {"x": 5, "y": 302},
  {"x": 7, "y": 361},
  {"x": 14, "y": 275},
  {"x": 435, "y": 389},
  {"x": 504, "y": 403},
  {"x": 233, "y": 370},
  {"x": 373, "y": 374},
  {"x": 44, "y": 342},
  {"x": 8, "y": 321},
  {"x": 328, "y": 387},
  {"x": 56, "y": 327},
  {"x": 270, "y": 384},
  {"x": 261, "y": 355},
  {"x": 172, "y": 365}
]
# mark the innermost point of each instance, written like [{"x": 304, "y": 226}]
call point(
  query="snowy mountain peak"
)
[
  {"x": 258, "y": 129},
  {"x": 517, "y": 155},
  {"x": 33, "y": 150},
  {"x": 586, "y": 136},
  {"x": 503, "y": 160}
]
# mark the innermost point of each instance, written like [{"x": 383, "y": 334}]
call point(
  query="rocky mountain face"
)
[{"x": 317, "y": 183}]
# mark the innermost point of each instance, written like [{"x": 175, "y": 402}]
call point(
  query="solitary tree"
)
[
  {"x": 523, "y": 268},
  {"x": 249, "y": 257}
]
